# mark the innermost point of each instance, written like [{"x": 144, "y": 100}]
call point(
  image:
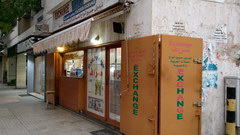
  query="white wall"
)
[
  {"x": 138, "y": 22},
  {"x": 12, "y": 38},
  {"x": 201, "y": 18},
  {"x": 51, "y": 5}
]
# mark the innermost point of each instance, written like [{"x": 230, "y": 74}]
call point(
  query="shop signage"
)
[
  {"x": 77, "y": 10},
  {"x": 135, "y": 89},
  {"x": 180, "y": 65},
  {"x": 180, "y": 93}
]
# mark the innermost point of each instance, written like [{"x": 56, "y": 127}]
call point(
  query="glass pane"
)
[
  {"x": 73, "y": 65},
  {"x": 114, "y": 84},
  {"x": 96, "y": 81}
]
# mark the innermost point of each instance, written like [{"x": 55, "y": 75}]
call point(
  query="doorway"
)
[{"x": 103, "y": 83}]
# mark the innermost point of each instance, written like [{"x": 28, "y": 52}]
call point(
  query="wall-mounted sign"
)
[{"x": 77, "y": 10}]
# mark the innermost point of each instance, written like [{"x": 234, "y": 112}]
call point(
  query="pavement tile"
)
[{"x": 26, "y": 115}]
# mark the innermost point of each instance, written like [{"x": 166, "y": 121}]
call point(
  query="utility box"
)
[
  {"x": 232, "y": 102},
  {"x": 161, "y": 86}
]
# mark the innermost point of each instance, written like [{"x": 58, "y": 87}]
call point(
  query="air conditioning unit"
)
[{"x": 41, "y": 28}]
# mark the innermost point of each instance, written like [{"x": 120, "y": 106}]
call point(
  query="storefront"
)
[
  {"x": 90, "y": 82},
  {"x": 72, "y": 80},
  {"x": 130, "y": 84},
  {"x": 78, "y": 69},
  {"x": 26, "y": 75}
]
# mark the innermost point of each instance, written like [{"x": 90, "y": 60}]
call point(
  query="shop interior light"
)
[
  {"x": 60, "y": 49},
  {"x": 96, "y": 40},
  {"x": 112, "y": 69}
]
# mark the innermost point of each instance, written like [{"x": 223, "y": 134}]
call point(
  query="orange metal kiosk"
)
[{"x": 161, "y": 86}]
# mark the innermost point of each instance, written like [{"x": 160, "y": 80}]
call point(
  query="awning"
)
[{"x": 75, "y": 33}]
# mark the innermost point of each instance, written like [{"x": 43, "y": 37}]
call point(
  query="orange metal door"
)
[
  {"x": 180, "y": 85},
  {"x": 139, "y": 86}
]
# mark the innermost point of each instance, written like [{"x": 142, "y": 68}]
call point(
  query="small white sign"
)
[
  {"x": 178, "y": 28},
  {"x": 220, "y": 34}
]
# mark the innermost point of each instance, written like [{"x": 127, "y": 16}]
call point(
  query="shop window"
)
[{"x": 73, "y": 64}]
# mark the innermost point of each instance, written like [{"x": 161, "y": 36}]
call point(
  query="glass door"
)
[
  {"x": 96, "y": 81},
  {"x": 114, "y": 84},
  {"x": 103, "y": 83}
]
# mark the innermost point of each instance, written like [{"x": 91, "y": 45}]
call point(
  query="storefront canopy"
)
[{"x": 75, "y": 33}]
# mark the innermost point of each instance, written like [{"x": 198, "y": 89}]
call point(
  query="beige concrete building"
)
[{"x": 215, "y": 21}]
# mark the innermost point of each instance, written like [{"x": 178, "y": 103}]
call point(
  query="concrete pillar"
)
[
  {"x": 11, "y": 73},
  {"x": 21, "y": 71},
  {"x": 4, "y": 69},
  {"x": 1, "y": 67}
]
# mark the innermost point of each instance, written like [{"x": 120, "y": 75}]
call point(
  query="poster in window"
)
[{"x": 96, "y": 81}]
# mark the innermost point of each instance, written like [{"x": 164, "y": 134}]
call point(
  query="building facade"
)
[{"x": 107, "y": 24}]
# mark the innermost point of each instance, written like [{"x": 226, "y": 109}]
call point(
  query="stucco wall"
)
[
  {"x": 138, "y": 22},
  {"x": 218, "y": 24}
]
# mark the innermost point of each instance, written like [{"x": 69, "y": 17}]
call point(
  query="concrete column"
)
[
  {"x": 21, "y": 71},
  {"x": 1, "y": 67},
  {"x": 4, "y": 69},
  {"x": 11, "y": 73}
]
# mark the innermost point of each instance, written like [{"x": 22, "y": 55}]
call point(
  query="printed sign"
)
[
  {"x": 96, "y": 81},
  {"x": 209, "y": 61},
  {"x": 77, "y": 10},
  {"x": 135, "y": 89},
  {"x": 178, "y": 28},
  {"x": 210, "y": 80},
  {"x": 180, "y": 63},
  {"x": 220, "y": 34}
]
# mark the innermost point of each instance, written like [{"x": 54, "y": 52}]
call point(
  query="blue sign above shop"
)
[
  {"x": 78, "y": 6},
  {"x": 77, "y": 10}
]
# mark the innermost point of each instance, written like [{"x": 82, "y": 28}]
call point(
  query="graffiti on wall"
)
[
  {"x": 229, "y": 53},
  {"x": 210, "y": 80}
]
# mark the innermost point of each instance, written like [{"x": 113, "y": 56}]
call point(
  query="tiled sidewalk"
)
[{"x": 26, "y": 115}]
